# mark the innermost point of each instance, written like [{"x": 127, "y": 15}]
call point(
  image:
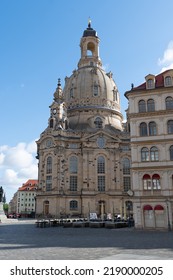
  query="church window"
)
[
  {"x": 101, "y": 183},
  {"x": 168, "y": 81},
  {"x": 73, "y": 183},
  {"x": 95, "y": 90},
  {"x": 154, "y": 154},
  {"x": 169, "y": 103},
  {"x": 170, "y": 126},
  {"x": 171, "y": 152},
  {"x": 73, "y": 205},
  {"x": 150, "y": 105},
  {"x": 152, "y": 128},
  {"x": 71, "y": 93},
  {"x": 126, "y": 183},
  {"x": 144, "y": 154},
  {"x": 126, "y": 166},
  {"x": 98, "y": 122},
  {"x": 142, "y": 106},
  {"x": 101, "y": 170},
  {"x": 73, "y": 161},
  {"x": 49, "y": 165},
  {"x": 51, "y": 123},
  {"x": 100, "y": 165},
  {"x": 48, "y": 183},
  {"x": 143, "y": 129}
]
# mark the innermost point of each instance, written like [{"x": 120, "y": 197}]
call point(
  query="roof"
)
[
  {"x": 159, "y": 81},
  {"x": 30, "y": 185}
]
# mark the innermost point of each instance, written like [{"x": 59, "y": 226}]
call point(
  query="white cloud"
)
[
  {"x": 167, "y": 60},
  {"x": 17, "y": 165}
]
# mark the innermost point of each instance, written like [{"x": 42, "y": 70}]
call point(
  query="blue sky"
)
[{"x": 39, "y": 43}]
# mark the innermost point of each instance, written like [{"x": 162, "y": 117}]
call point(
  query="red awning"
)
[
  {"x": 158, "y": 207},
  {"x": 148, "y": 207}
]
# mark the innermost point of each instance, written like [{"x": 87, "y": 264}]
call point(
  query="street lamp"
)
[{"x": 169, "y": 225}]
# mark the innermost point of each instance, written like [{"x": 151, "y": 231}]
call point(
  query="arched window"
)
[
  {"x": 48, "y": 183},
  {"x": 73, "y": 205},
  {"x": 51, "y": 123},
  {"x": 98, "y": 122},
  {"x": 150, "y": 83},
  {"x": 150, "y": 105},
  {"x": 126, "y": 166},
  {"x": 73, "y": 169},
  {"x": 156, "y": 182},
  {"x": 143, "y": 129},
  {"x": 73, "y": 164},
  {"x": 144, "y": 154},
  {"x": 71, "y": 93},
  {"x": 169, "y": 102},
  {"x": 171, "y": 152},
  {"x": 142, "y": 106},
  {"x": 170, "y": 126},
  {"x": 152, "y": 128},
  {"x": 101, "y": 170},
  {"x": 100, "y": 165},
  {"x": 154, "y": 154},
  {"x": 168, "y": 81},
  {"x": 147, "y": 182},
  {"x": 95, "y": 90},
  {"x": 49, "y": 165}
]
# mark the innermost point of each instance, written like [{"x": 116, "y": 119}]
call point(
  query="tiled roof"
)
[
  {"x": 30, "y": 185},
  {"x": 159, "y": 81}
]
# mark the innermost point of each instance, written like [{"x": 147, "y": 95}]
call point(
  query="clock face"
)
[
  {"x": 54, "y": 111},
  {"x": 101, "y": 142}
]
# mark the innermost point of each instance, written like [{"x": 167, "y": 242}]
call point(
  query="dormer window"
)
[
  {"x": 168, "y": 81},
  {"x": 150, "y": 83},
  {"x": 98, "y": 122}
]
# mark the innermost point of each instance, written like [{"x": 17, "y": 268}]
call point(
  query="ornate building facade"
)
[
  {"x": 84, "y": 153},
  {"x": 150, "y": 116},
  {"x": 91, "y": 162}
]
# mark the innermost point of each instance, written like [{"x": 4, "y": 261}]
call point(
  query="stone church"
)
[
  {"x": 93, "y": 163},
  {"x": 84, "y": 153}
]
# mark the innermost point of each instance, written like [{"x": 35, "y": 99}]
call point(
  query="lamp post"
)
[{"x": 169, "y": 225}]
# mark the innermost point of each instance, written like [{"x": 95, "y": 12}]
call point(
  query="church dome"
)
[{"x": 90, "y": 92}]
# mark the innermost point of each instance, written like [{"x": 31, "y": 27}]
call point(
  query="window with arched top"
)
[
  {"x": 152, "y": 128},
  {"x": 49, "y": 165},
  {"x": 95, "y": 90},
  {"x": 51, "y": 123},
  {"x": 170, "y": 127},
  {"x": 156, "y": 182},
  {"x": 101, "y": 164},
  {"x": 145, "y": 154},
  {"x": 150, "y": 105},
  {"x": 169, "y": 103},
  {"x": 101, "y": 173},
  {"x": 73, "y": 169},
  {"x": 150, "y": 83},
  {"x": 143, "y": 129},
  {"x": 98, "y": 122},
  {"x": 73, "y": 164},
  {"x": 154, "y": 154},
  {"x": 142, "y": 106},
  {"x": 126, "y": 166},
  {"x": 168, "y": 81},
  {"x": 146, "y": 182}
]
